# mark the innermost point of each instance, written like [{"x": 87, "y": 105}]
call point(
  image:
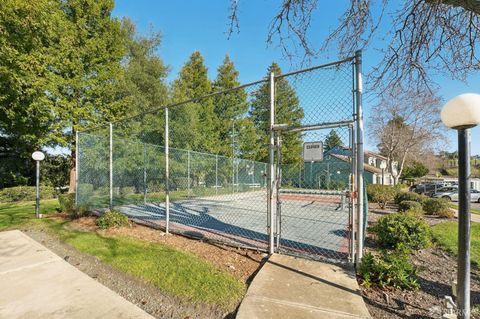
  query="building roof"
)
[
  {"x": 368, "y": 168},
  {"x": 370, "y": 153}
]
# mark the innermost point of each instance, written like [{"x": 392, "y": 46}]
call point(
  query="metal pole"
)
[
  {"x": 463, "y": 272},
  {"x": 110, "y": 152},
  {"x": 233, "y": 156},
  {"x": 167, "y": 174},
  {"x": 360, "y": 155},
  {"x": 216, "y": 174},
  {"x": 144, "y": 173},
  {"x": 383, "y": 176},
  {"x": 37, "y": 196},
  {"x": 76, "y": 168},
  {"x": 271, "y": 174},
  {"x": 353, "y": 190},
  {"x": 188, "y": 172},
  {"x": 253, "y": 175}
]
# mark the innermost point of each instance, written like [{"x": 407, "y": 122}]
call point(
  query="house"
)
[
  {"x": 334, "y": 171},
  {"x": 373, "y": 163}
]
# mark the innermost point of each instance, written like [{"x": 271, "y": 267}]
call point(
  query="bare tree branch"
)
[{"x": 426, "y": 37}]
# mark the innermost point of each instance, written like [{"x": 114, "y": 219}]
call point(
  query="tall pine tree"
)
[
  {"x": 193, "y": 124},
  {"x": 332, "y": 140},
  {"x": 230, "y": 108},
  {"x": 287, "y": 111}
]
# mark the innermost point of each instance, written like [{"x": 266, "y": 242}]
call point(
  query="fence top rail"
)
[
  {"x": 197, "y": 99},
  {"x": 321, "y": 66}
]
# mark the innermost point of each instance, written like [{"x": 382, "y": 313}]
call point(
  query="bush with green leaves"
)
[
  {"x": 381, "y": 194},
  {"x": 438, "y": 207},
  {"x": 388, "y": 269},
  {"x": 402, "y": 231},
  {"x": 67, "y": 202},
  {"x": 409, "y": 205},
  {"x": 410, "y": 196},
  {"x": 25, "y": 193},
  {"x": 112, "y": 218},
  {"x": 78, "y": 212}
]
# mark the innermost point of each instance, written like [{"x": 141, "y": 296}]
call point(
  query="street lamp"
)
[
  {"x": 462, "y": 113},
  {"x": 383, "y": 165},
  {"x": 38, "y": 157}
]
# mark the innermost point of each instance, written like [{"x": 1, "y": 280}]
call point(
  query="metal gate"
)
[{"x": 313, "y": 201}]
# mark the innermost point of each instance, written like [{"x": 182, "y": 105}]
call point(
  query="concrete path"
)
[
  {"x": 289, "y": 287},
  {"x": 36, "y": 283}
]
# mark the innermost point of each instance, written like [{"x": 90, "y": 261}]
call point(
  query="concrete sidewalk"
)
[
  {"x": 289, "y": 287},
  {"x": 36, "y": 283}
]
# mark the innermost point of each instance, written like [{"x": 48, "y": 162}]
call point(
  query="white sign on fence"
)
[{"x": 312, "y": 151}]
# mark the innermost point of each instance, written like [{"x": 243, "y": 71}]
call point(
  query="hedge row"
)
[{"x": 25, "y": 193}]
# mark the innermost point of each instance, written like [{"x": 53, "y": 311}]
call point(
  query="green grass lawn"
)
[
  {"x": 173, "y": 271},
  {"x": 16, "y": 214},
  {"x": 446, "y": 235},
  {"x": 473, "y": 210}
]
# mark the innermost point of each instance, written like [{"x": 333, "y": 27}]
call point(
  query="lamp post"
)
[
  {"x": 38, "y": 157},
  {"x": 383, "y": 165},
  {"x": 462, "y": 113}
]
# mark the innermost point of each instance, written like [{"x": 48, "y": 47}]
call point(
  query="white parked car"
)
[
  {"x": 453, "y": 196},
  {"x": 444, "y": 191}
]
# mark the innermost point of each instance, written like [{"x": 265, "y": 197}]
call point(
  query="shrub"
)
[
  {"x": 25, "y": 193},
  {"x": 85, "y": 188},
  {"x": 128, "y": 190},
  {"x": 437, "y": 206},
  {"x": 416, "y": 212},
  {"x": 409, "y": 205},
  {"x": 380, "y": 194},
  {"x": 389, "y": 269},
  {"x": 399, "y": 231},
  {"x": 410, "y": 196},
  {"x": 401, "y": 187},
  {"x": 112, "y": 218},
  {"x": 77, "y": 212},
  {"x": 67, "y": 202}
]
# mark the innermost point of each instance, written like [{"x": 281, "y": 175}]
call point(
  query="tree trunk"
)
[{"x": 73, "y": 172}]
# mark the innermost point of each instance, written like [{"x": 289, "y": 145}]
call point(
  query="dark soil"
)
[
  {"x": 436, "y": 272},
  {"x": 240, "y": 263}
]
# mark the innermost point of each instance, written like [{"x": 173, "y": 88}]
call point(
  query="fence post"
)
[
  {"x": 352, "y": 190},
  {"x": 188, "y": 172},
  {"x": 77, "y": 148},
  {"x": 110, "y": 178},
  {"x": 360, "y": 155},
  {"x": 167, "y": 174},
  {"x": 144, "y": 174},
  {"x": 216, "y": 174},
  {"x": 271, "y": 171}
]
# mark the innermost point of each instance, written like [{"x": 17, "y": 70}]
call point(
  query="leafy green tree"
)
[
  {"x": 91, "y": 75},
  {"x": 145, "y": 74},
  {"x": 414, "y": 170},
  {"x": 287, "y": 111},
  {"x": 230, "y": 108},
  {"x": 193, "y": 124},
  {"x": 31, "y": 35},
  {"x": 332, "y": 140}
]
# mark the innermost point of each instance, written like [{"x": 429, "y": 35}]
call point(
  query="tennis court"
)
[{"x": 314, "y": 224}]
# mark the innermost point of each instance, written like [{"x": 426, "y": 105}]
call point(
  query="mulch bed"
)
[{"x": 436, "y": 271}]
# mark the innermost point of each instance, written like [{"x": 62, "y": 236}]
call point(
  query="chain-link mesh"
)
[
  {"x": 215, "y": 172},
  {"x": 313, "y": 205}
]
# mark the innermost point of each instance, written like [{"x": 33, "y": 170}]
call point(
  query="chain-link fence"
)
[{"x": 216, "y": 167}]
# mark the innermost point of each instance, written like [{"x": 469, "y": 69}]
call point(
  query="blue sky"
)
[{"x": 187, "y": 26}]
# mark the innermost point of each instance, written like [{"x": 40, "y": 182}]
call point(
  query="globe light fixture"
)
[
  {"x": 462, "y": 113},
  {"x": 37, "y": 157}
]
